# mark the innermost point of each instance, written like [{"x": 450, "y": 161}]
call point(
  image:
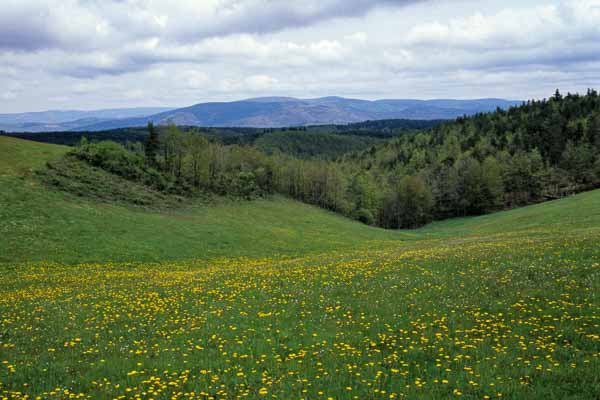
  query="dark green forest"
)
[
  {"x": 382, "y": 129},
  {"x": 308, "y": 145},
  {"x": 541, "y": 150}
]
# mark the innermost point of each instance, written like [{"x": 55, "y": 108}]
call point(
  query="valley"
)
[{"x": 275, "y": 299}]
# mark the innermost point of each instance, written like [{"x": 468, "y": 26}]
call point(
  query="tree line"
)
[
  {"x": 538, "y": 151},
  {"x": 474, "y": 165}
]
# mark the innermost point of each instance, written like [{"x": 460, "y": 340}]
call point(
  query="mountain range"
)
[
  {"x": 264, "y": 112},
  {"x": 65, "y": 120}
]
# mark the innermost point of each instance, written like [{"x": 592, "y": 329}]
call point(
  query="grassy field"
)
[
  {"x": 38, "y": 224},
  {"x": 20, "y": 157},
  {"x": 296, "y": 303}
]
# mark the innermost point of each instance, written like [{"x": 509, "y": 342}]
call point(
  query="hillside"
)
[
  {"x": 248, "y": 245},
  {"x": 474, "y": 165},
  {"x": 273, "y": 298},
  {"x": 45, "y": 224},
  {"x": 41, "y": 224},
  {"x": 20, "y": 157}
]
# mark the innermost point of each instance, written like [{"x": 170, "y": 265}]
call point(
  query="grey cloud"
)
[
  {"x": 108, "y": 53},
  {"x": 30, "y": 25},
  {"x": 24, "y": 27},
  {"x": 33, "y": 25},
  {"x": 266, "y": 16}
]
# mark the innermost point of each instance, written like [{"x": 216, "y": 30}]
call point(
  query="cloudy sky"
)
[{"x": 88, "y": 54}]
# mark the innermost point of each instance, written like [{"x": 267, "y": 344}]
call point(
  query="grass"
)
[
  {"x": 38, "y": 224},
  {"x": 503, "y": 306},
  {"x": 567, "y": 215},
  {"x": 77, "y": 177},
  {"x": 20, "y": 157}
]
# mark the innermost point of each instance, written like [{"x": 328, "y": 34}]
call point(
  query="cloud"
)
[
  {"x": 90, "y": 38},
  {"x": 205, "y": 32},
  {"x": 31, "y": 25},
  {"x": 141, "y": 55},
  {"x": 111, "y": 53},
  {"x": 548, "y": 37},
  {"x": 514, "y": 26},
  {"x": 261, "y": 82},
  {"x": 191, "y": 20},
  {"x": 8, "y": 95},
  {"x": 24, "y": 26}
]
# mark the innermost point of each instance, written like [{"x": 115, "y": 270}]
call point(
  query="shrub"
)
[
  {"x": 365, "y": 216},
  {"x": 112, "y": 157}
]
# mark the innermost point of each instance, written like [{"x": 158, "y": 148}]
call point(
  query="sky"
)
[{"x": 92, "y": 54}]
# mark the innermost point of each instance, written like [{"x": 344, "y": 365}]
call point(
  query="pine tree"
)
[{"x": 557, "y": 95}]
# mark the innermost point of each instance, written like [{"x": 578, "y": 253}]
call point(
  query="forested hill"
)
[
  {"x": 542, "y": 150},
  {"x": 474, "y": 165}
]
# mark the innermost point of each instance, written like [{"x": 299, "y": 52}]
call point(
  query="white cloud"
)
[
  {"x": 122, "y": 53},
  {"x": 358, "y": 37},
  {"x": 261, "y": 82},
  {"x": 195, "y": 79},
  {"x": 9, "y": 95},
  {"x": 551, "y": 36}
]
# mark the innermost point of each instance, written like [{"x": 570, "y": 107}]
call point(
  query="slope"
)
[
  {"x": 504, "y": 306},
  {"x": 37, "y": 223},
  {"x": 18, "y": 157}
]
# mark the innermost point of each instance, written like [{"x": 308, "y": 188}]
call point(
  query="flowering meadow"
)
[{"x": 506, "y": 315}]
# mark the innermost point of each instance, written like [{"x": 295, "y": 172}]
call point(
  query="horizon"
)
[
  {"x": 270, "y": 97},
  {"x": 121, "y": 54}
]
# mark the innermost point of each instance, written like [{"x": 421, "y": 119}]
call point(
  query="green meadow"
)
[{"x": 275, "y": 299}]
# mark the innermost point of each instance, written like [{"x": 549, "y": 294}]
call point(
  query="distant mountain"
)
[
  {"x": 273, "y": 112},
  {"x": 54, "y": 120}
]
